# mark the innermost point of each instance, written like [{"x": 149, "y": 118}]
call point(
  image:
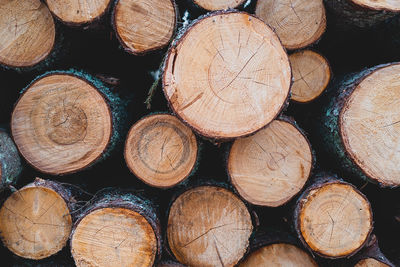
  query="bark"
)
[
  {"x": 371, "y": 251},
  {"x": 10, "y": 161}
]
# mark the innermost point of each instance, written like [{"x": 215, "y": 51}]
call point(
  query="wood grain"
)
[{"x": 213, "y": 5}]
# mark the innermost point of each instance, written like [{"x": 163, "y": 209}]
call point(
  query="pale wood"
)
[
  {"x": 143, "y": 25},
  {"x": 208, "y": 226},
  {"x": 212, "y": 5},
  {"x": 335, "y": 220},
  {"x": 160, "y": 150},
  {"x": 78, "y": 11},
  {"x": 35, "y": 222},
  {"x": 236, "y": 81},
  {"x": 61, "y": 124},
  {"x": 111, "y": 237},
  {"x": 369, "y": 125},
  {"x": 370, "y": 262},
  {"x": 272, "y": 166},
  {"x": 390, "y": 5},
  {"x": 298, "y": 23},
  {"x": 19, "y": 22},
  {"x": 279, "y": 254},
  {"x": 311, "y": 74}
]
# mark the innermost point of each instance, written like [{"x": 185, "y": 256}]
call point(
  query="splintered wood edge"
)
[
  {"x": 370, "y": 262},
  {"x": 10, "y": 219},
  {"x": 68, "y": 14},
  {"x": 273, "y": 163},
  {"x": 306, "y": 90},
  {"x": 187, "y": 217},
  {"x": 42, "y": 27},
  {"x": 102, "y": 224},
  {"x": 171, "y": 92},
  {"x": 269, "y": 10},
  {"x": 384, "y": 5},
  {"x": 129, "y": 39},
  {"x": 61, "y": 140},
  {"x": 309, "y": 196},
  {"x": 212, "y": 5},
  {"x": 178, "y": 133},
  {"x": 279, "y": 254},
  {"x": 369, "y": 138}
]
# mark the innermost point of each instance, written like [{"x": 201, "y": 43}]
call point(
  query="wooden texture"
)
[
  {"x": 311, "y": 74},
  {"x": 235, "y": 83},
  {"x": 333, "y": 218},
  {"x": 61, "y": 123},
  {"x": 213, "y": 5},
  {"x": 389, "y": 5},
  {"x": 35, "y": 221},
  {"x": 298, "y": 23},
  {"x": 77, "y": 12},
  {"x": 10, "y": 162},
  {"x": 142, "y": 26},
  {"x": 370, "y": 262},
  {"x": 19, "y": 22},
  {"x": 160, "y": 150},
  {"x": 272, "y": 166},
  {"x": 208, "y": 226},
  {"x": 279, "y": 254}
]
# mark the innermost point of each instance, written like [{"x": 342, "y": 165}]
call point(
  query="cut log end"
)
[
  {"x": 61, "y": 124},
  {"x": 237, "y": 81},
  {"x": 334, "y": 219},
  {"x": 213, "y": 5},
  {"x": 114, "y": 237},
  {"x": 279, "y": 254},
  {"x": 35, "y": 222},
  {"x": 311, "y": 73},
  {"x": 19, "y": 21},
  {"x": 388, "y": 5},
  {"x": 208, "y": 226},
  {"x": 272, "y": 166},
  {"x": 161, "y": 150},
  {"x": 142, "y": 26},
  {"x": 370, "y": 128},
  {"x": 298, "y": 23},
  {"x": 370, "y": 262},
  {"x": 78, "y": 11}
]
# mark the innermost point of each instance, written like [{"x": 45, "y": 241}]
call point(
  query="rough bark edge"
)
[
  {"x": 320, "y": 180},
  {"x": 192, "y": 170},
  {"x": 348, "y": 14},
  {"x": 126, "y": 199},
  {"x": 116, "y": 106},
  {"x": 291, "y": 121},
  {"x": 330, "y": 122},
  {"x": 195, "y": 5},
  {"x": 170, "y": 264},
  {"x": 211, "y": 183},
  {"x": 331, "y": 75},
  {"x": 172, "y": 49},
  {"x": 144, "y": 52},
  {"x": 10, "y": 161}
]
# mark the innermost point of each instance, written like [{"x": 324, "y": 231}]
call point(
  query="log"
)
[
  {"x": 143, "y": 26},
  {"x": 332, "y": 218},
  {"x": 117, "y": 229},
  {"x": 272, "y": 166},
  {"x": 238, "y": 80},
  {"x": 360, "y": 14},
  {"x": 359, "y": 126},
  {"x": 36, "y": 221},
  {"x": 78, "y": 12},
  {"x": 311, "y": 73},
  {"x": 66, "y": 121},
  {"x": 160, "y": 150},
  {"x": 298, "y": 23},
  {"x": 212, "y": 5},
  {"x": 10, "y": 162},
  {"x": 19, "y": 21},
  {"x": 371, "y": 256},
  {"x": 208, "y": 226}
]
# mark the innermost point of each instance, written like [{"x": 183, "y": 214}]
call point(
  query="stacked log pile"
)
[{"x": 199, "y": 133}]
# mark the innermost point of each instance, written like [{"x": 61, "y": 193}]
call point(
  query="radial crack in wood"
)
[
  {"x": 272, "y": 166},
  {"x": 208, "y": 226},
  {"x": 237, "y": 81}
]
